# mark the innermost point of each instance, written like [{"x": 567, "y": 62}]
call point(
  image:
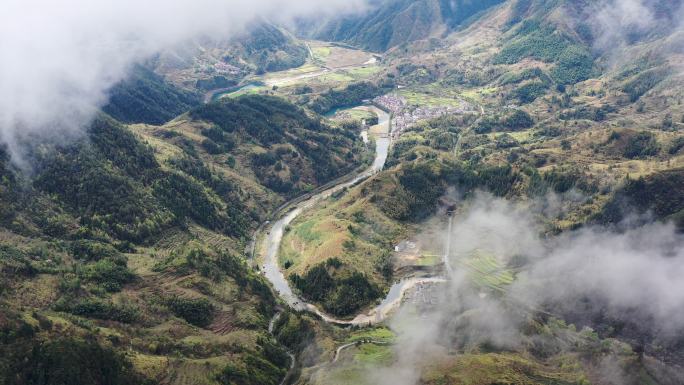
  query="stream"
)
[{"x": 271, "y": 266}]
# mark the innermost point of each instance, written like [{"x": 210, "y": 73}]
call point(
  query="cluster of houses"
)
[
  {"x": 391, "y": 102},
  {"x": 225, "y": 68},
  {"x": 404, "y": 120},
  {"x": 408, "y": 247},
  {"x": 423, "y": 295},
  {"x": 341, "y": 116}
]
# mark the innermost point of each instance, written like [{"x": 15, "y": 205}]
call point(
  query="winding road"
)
[{"x": 337, "y": 352}]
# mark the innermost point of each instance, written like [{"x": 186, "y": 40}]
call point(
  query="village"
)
[
  {"x": 423, "y": 295},
  {"x": 225, "y": 68},
  {"x": 341, "y": 116},
  {"x": 221, "y": 68},
  {"x": 391, "y": 102},
  {"x": 404, "y": 119}
]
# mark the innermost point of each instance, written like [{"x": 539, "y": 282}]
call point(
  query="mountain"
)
[
  {"x": 394, "y": 22},
  {"x": 206, "y": 64},
  {"x": 146, "y": 97},
  {"x": 125, "y": 255},
  {"x": 144, "y": 228}
]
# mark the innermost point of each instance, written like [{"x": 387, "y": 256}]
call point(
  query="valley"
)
[{"x": 428, "y": 192}]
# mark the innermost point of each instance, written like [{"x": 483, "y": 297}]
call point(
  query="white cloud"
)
[{"x": 59, "y": 58}]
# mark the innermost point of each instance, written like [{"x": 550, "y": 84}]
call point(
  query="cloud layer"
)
[
  {"x": 60, "y": 58},
  {"x": 634, "y": 275}
]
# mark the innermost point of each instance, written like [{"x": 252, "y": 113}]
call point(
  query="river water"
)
[{"x": 271, "y": 266}]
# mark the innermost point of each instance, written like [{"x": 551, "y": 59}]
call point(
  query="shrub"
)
[
  {"x": 641, "y": 145},
  {"x": 531, "y": 91},
  {"x": 197, "y": 312},
  {"x": 574, "y": 65}
]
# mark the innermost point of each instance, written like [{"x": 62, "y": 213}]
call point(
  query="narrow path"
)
[
  {"x": 310, "y": 51},
  {"x": 467, "y": 130},
  {"x": 337, "y": 353},
  {"x": 447, "y": 262}
]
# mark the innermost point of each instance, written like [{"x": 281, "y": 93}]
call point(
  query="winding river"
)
[{"x": 271, "y": 266}]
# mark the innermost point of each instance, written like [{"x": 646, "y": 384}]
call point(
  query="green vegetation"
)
[
  {"x": 339, "y": 296},
  {"x": 268, "y": 48},
  {"x": 68, "y": 360},
  {"x": 196, "y": 312},
  {"x": 515, "y": 121},
  {"x": 111, "y": 274},
  {"x": 561, "y": 181},
  {"x": 271, "y": 122},
  {"x": 486, "y": 272},
  {"x": 641, "y": 145},
  {"x": 100, "y": 310},
  {"x": 533, "y": 40},
  {"x": 439, "y": 133},
  {"x": 267, "y": 365},
  {"x": 531, "y": 91},
  {"x": 574, "y": 65},
  {"x": 660, "y": 192},
  {"x": 146, "y": 98},
  {"x": 644, "y": 82},
  {"x": 395, "y": 23},
  {"x": 350, "y": 95},
  {"x": 543, "y": 42},
  {"x": 517, "y": 77},
  {"x": 214, "y": 83}
]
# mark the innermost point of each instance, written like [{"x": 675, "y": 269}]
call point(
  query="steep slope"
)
[
  {"x": 207, "y": 64},
  {"x": 133, "y": 242},
  {"x": 145, "y": 97},
  {"x": 394, "y": 22}
]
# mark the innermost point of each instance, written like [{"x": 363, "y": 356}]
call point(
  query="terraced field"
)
[
  {"x": 486, "y": 271},
  {"x": 428, "y": 100},
  {"x": 224, "y": 323},
  {"x": 429, "y": 261}
]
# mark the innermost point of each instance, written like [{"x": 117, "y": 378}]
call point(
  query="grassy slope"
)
[
  {"x": 566, "y": 137},
  {"x": 185, "y": 65},
  {"x": 169, "y": 259},
  {"x": 464, "y": 70}
]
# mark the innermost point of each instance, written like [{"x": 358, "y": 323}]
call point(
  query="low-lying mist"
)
[
  {"x": 592, "y": 277},
  {"x": 59, "y": 59}
]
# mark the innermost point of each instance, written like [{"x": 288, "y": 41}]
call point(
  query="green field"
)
[
  {"x": 428, "y": 100},
  {"x": 429, "y": 261},
  {"x": 321, "y": 52},
  {"x": 363, "y": 71},
  {"x": 336, "y": 77},
  {"x": 486, "y": 271}
]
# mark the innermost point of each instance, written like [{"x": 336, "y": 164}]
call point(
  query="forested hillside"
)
[
  {"x": 147, "y": 98},
  {"x": 394, "y": 22},
  {"x": 209, "y": 64},
  {"x": 129, "y": 240},
  {"x": 524, "y": 228}
]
